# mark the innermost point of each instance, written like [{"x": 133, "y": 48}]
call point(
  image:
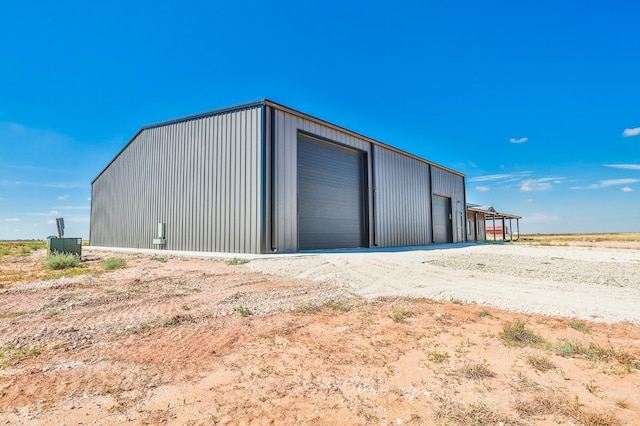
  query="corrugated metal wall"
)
[
  {"x": 202, "y": 177},
  {"x": 402, "y": 200},
  {"x": 450, "y": 185},
  {"x": 209, "y": 180},
  {"x": 287, "y": 126}
]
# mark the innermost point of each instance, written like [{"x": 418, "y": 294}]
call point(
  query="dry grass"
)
[
  {"x": 401, "y": 315},
  {"x": 555, "y": 403},
  {"x": 10, "y": 353},
  {"x": 450, "y": 412},
  {"x": 540, "y": 363},
  {"x": 580, "y": 239},
  {"x": 517, "y": 334},
  {"x": 425, "y": 362},
  {"x": 478, "y": 371}
]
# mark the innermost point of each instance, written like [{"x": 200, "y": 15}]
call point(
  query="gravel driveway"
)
[{"x": 596, "y": 284}]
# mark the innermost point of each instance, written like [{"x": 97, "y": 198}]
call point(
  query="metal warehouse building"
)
[{"x": 263, "y": 178}]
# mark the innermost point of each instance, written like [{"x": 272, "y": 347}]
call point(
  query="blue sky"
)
[{"x": 537, "y": 103}]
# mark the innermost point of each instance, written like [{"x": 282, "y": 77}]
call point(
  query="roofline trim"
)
[
  {"x": 233, "y": 108},
  {"x": 261, "y": 103},
  {"x": 359, "y": 135}
]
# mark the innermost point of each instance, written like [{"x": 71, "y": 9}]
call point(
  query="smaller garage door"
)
[
  {"x": 442, "y": 232},
  {"x": 330, "y": 195}
]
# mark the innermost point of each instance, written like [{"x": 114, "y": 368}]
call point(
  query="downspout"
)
[
  {"x": 465, "y": 231},
  {"x": 433, "y": 241},
  {"x": 90, "y": 214},
  {"x": 272, "y": 143},
  {"x": 374, "y": 197}
]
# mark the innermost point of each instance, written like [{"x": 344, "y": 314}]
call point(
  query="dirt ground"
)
[{"x": 169, "y": 340}]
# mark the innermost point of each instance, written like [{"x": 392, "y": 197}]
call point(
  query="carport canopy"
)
[{"x": 490, "y": 214}]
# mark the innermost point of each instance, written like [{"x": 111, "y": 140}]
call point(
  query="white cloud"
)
[
  {"x": 612, "y": 182},
  {"x": 542, "y": 184},
  {"x": 501, "y": 176},
  {"x": 627, "y": 189},
  {"x": 482, "y": 188},
  {"x": 13, "y": 219},
  {"x": 518, "y": 140},
  {"x": 607, "y": 182},
  {"x": 624, "y": 166},
  {"x": 631, "y": 132},
  {"x": 73, "y": 207},
  {"x": 63, "y": 197},
  {"x": 54, "y": 212}
]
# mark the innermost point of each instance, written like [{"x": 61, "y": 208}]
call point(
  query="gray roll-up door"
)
[
  {"x": 442, "y": 232},
  {"x": 330, "y": 195}
]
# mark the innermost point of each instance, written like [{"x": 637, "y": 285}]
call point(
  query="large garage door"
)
[
  {"x": 330, "y": 195},
  {"x": 442, "y": 232}
]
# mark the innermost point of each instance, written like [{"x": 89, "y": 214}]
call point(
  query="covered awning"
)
[{"x": 491, "y": 214}]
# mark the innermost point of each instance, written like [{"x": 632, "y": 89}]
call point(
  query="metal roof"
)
[
  {"x": 261, "y": 103},
  {"x": 490, "y": 211}
]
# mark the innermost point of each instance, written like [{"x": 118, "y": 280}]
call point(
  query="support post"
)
[
  {"x": 510, "y": 230},
  {"x": 494, "y": 227}
]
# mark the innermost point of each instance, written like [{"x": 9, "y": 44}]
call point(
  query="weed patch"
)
[
  {"x": 238, "y": 261},
  {"x": 478, "y": 371},
  {"x": 72, "y": 272},
  {"x": 580, "y": 326},
  {"x": 597, "y": 354},
  {"x": 540, "y": 363},
  {"x": 401, "y": 315},
  {"x": 308, "y": 308},
  {"x": 548, "y": 403},
  {"x": 454, "y": 413},
  {"x": 57, "y": 261},
  {"x": 178, "y": 319},
  {"x": 485, "y": 314},
  {"x": 14, "y": 314},
  {"x": 243, "y": 311},
  {"x": 114, "y": 263},
  {"x": 565, "y": 348},
  {"x": 342, "y": 305},
  {"x": 11, "y": 354},
  {"x": 517, "y": 334},
  {"x": 437, "y": 357}
]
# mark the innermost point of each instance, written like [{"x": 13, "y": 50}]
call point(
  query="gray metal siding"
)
[
  {"x": 402, "y": 200},
  {"x": 287, "y": 127},
  {"x": 447, "y": 184},
  {"x": 201, "y": 177}
]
